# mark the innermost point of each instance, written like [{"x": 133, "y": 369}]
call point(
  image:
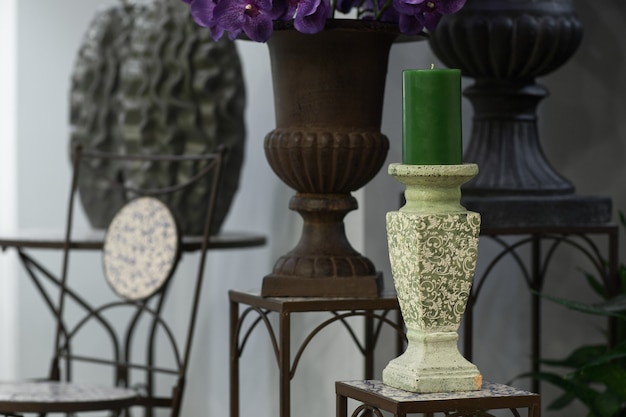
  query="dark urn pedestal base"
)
[
  {"x": 362, "y": 286},
  {"x": 514, "y": 212},
  {"x": 323, "y": 263}
]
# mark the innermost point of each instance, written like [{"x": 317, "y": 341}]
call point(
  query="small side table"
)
[
  {"x": 257, "y": 309},
  {"x": 375, "y": 396}
]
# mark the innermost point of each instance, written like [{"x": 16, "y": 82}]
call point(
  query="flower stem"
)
[{"x": 382, "y": 9}]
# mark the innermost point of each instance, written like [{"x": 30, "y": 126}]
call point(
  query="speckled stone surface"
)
[
  {"x": 433, "y": 246},
  {"x": 488, "y": 390},
  {"x": 55, "y": 397},
  {"x": 60, "y": 391}
]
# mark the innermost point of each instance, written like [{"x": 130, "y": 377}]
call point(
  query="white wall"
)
[
  {"x": 8, "y": 102},
  {"x": 582, "y": 127}
]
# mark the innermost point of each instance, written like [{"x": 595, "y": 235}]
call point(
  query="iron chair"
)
[{"x": 141, "y": 248}]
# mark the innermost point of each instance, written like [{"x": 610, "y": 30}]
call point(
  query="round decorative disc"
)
[{"x": 141, "y": 248}]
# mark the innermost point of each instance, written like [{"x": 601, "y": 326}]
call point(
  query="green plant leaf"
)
[
  {"x": 607, "y": 405},
  {"x": 615, "y": 307},
  {"x": 622, "y": 219},
  {"x": 563, "y": 401},
  {"x": 621, "y": 274},
  {"x": 572, "y": 386},
  {"x": 612, "y": 376},
  {"x": 610, "y": 356},
  {"x": 600, "y": 404},
  {"x": 579, "y": 357},
  {"x": 597, "y": 285}
]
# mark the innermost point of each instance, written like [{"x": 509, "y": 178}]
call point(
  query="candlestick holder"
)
[{"x": 433, "y": 245}]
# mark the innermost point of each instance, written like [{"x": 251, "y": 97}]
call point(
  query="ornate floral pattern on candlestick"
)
[
  {"x": 448, "y": 246},
  {"x": 433, "y": 246}
]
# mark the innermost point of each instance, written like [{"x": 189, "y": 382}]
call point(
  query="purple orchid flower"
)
[
  {"x": 411, "y": 24},
  {"x": 344, "y": 6},
  {"x": 202, "y": 14},
  {"x": 253, "y": 17},
  {"x": 417, "y": 14},
  {"x": 409, "y": 7},
  {"x": 311, "y": 15},
  {"x": 436, "y": 9},
  {"x": 380, "y": 10},
  {"x": 284, "y": 9}
]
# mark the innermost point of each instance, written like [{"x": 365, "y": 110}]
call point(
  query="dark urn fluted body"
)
[{"x": 505, "y": 45}]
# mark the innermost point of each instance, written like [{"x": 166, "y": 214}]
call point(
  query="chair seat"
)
[{"x": 50, "y": 396}]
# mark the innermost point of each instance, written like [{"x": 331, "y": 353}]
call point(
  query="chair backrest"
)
[{"x": 147, "y": 343}]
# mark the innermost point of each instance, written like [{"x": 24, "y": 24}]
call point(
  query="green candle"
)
[{"x": 431, "y": 114}]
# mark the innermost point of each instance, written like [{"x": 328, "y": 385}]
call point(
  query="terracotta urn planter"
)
[{"x": 328, "y": 96}]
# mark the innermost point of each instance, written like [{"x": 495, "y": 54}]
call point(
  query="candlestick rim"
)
[{"x": 453, "y": 170}]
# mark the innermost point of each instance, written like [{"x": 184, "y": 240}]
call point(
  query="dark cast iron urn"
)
[{"x": 504, "y": 45}]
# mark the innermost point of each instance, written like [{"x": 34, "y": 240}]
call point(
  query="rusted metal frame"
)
[
  {"x": 366, "y": 410},
  {"x": 468, "y": 323},
  {"x": 211, "y": 159},
  {"x": 210, "y": 210},
  {"x": 97, "y": 315},
  {"x": 535, "y": 310},
  {"x": 614, "y": 286},
  {"x": 590, "y": 250},
  {"x": 29, "y": 263},
  {"x": 452, "y": 407},
  {"x": 282, "y": 352},
  {"x": 128, "y": 365},
  {"x": 213, "y": 164},
  {"x": 540, "y": 263},
  {"x": 122, "y": 369},
  {"x": 150, "y": 345},
  {"x": 234, "y": 353},
  {"x": 341, "y": 404},
  {"x": 263, "y": 315},
  {"x": 372, "y": 335},
  {"x": 326, "y": 323},
  {"x": 284, "y": 364},
  {"x": 470, "y": 413},
  {"x": 66, "y": 254}
]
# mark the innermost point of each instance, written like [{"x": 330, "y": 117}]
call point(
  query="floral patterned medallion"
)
[{"x": 141, "y": 248}]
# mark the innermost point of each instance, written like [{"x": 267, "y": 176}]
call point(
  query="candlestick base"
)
[{"x": 432, "y": 363}]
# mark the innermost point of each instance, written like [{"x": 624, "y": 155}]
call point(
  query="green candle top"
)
[{"x": 431, "y": 115}]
